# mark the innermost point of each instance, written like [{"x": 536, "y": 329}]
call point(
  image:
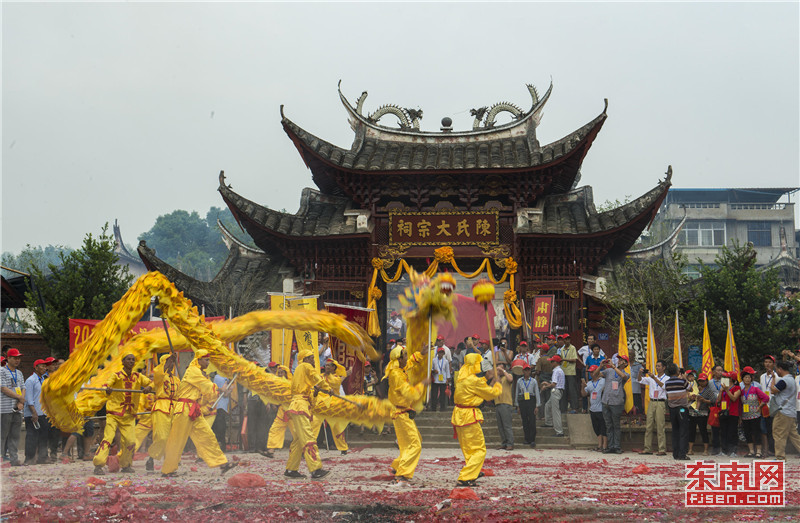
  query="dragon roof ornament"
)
[{"x": 484, "y": 118}]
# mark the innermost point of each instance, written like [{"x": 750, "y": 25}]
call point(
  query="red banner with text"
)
[
  {"x": 542, "y": 320},
  {"x": 347, "y": 356},
  {"x": 79, "y": 330}
]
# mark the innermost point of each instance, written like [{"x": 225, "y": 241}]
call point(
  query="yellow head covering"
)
[
  {"x": 199, "y": 353},
  {"x": 472, "y": 365},
  {"x": 394, "y": 359},
  {"x": 303, "y": 354},
  {"x": 285, "y": 369}
]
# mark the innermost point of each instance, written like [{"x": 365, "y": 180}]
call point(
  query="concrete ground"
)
[{"x": 526, "y": 484}]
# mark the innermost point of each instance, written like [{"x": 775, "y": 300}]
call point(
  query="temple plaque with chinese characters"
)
[{"x": 444, "y": 228}]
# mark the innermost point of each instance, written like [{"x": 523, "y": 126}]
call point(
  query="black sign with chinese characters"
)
[{"x": 444, "y": 228}]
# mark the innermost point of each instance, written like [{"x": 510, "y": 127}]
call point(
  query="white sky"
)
[{"x": 129, "y": 111}]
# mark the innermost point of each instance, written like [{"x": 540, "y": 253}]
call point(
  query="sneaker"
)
[
  {"x": 481, "y": 474},
  {"x": 734, "y": 455},
  {"x": 319, "y": 473},
  {"x": 293, "y": 474},
  {"x": 149, "y": 465},
  {"x": 227, "y": 466},
  {"x": 127, "y": 470},
  {"x": 99, "y": 471},
  {"x": 617, "y": 451},
  {"x": 608, "y": 451},
  {"x": 344, "y": 453},
  {"x": 470, "y": 483}
]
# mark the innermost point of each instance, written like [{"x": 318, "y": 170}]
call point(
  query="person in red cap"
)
[
  {"x": 12, "y": 401},
  {"x": 753, "y": 399},
  {"x": 528, "y": 402},
  {"x": 730, "y": 404},
  {"x": 552, "y": 410},
  {"x": 702, "y": 396},
  {"x": 439, "y": 344},
  {"x": 441, "y": 376}
]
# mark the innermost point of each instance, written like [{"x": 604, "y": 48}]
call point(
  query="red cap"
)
[
  {"x": 703, "y": 377},
  {"x": 734, "y": 375},
  {"x": 439, "y": 337},
  {"x": 475, "y": 336},
  {"x": 543, "y": 346},
  {"x": 49, "y": 360},
  {"x": 556, "y": 358},
  {"x": 525, "y": 365},
  {"x": 551, "y": 337},
  {"x": 13, "y": 353},
  {"x": 393, "y": 313},
  {"x": 562, "y": 336},
  {"x": 592, "y": 368},
  {"x": 441, "y": 349},
  {"x": 690, "y": 371},
  {"x": 392, "y": 341},
  {"x": 272, "y": 365},
  {"x": 38, "y": 362},
  {"x": 748, "y": 370},
  {"x": 768, "y": 357},
  {"x": 623, "y": 357},
  {"x": 367, "y": 364},
  {"x": 523, "y": 343}
]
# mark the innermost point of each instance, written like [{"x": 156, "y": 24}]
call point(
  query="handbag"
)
[{"x": 713, "y": 416}]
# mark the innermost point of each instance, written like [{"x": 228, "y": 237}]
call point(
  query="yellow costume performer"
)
[
  {"x": 467, "y": 417},
  {"x": 304, "y": 442},
  {"x": 334, "y": 380},
  {"x": 165, "y": 384},
  {"x": 144, "y": 424},
  {"x": 407, "y": 400},
  {"x": 277, "y": 432},
  {"x": 121, "y": 415},
  {"x": 188, "y": 421}
]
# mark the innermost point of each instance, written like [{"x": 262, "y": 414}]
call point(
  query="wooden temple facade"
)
[{"x": 401, "y": 193}]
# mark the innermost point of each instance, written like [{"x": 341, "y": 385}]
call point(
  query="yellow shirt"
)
[
  {"x": 305, "y": 378},
  {"x": 165, "y": 387},
  {"x": 570, "y": 353},
  {"x": 470, "y": 393},
  {"x": 194, "y": 385},
  {"x": 505, "y": 397},
  {"x": 125, "y": 403},
  {"x": 402, "y": 394}
]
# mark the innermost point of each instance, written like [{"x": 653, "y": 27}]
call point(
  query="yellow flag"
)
[
  {"x": 677, "y": 352},
  {"x": 708, "y": 356},
  {"x": 281, "y": 347},
  {"x": 651, "y": 357},
  {"x": 305, "y": 339},
  {"x": 731, "y": 356},
  {"x": 622, "y": 350}
]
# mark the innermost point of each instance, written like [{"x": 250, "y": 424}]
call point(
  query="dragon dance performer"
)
[
  {"x": 188, "y": 421},
  {"x": 277, "y": 433},
  {"x": 467, "y": 417},
  {"x": 334, "y": 374},
  {"x": 304, "y": 443},
  {"x": 165, "y": 384},
  {"x": 121, "y": 414},
  {"x": 144, "y": 423},
  {"x": 405, "y": 398}
]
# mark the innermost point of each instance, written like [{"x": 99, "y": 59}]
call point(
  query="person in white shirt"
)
[
  {"x": 586, "y": 351},
  {"x": 440, "y": 377},
  {"x": 552, "y": 410},
  {"x": 440, "y": 344},
  {"x": 656, "y": 411},
  {"x": 325, "y": 349},
  {"x": 765, "y": 382}
]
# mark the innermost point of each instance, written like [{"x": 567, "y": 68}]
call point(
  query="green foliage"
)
[
  {"x": 764, "y": 320},
  {"x": 608, "y": 204},
  {"x": 190, "y": 243},
  {"x": 638, "y": 286},
  {"x": 84, "y": 284},
  {"x": 33, "y": 257}
]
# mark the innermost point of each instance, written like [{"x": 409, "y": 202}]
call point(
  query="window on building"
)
[
  {"x": 703, "y": 234},
  {"x": 759, "y": 233},
  {"x": 692, "y": 272}
]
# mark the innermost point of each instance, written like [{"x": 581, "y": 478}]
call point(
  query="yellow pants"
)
[
  {"x": 203, "y": 438},
  {"x": 304, "y": 442},
  {"x": 473, "y": 446},
  {"x": 127, "y": 440},
  {"x": 337, "y": 429},
  {"x": 162, "y": 422},
  {"x": 277, "y": 433},
  {"x": 143, "y": 428},
  {"x": 410, "y": 443}
]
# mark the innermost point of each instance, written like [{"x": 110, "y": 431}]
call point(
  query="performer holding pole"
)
[
  {"x": 304, "y": 442},
  {"x": 277, "y": 432},
  {"x": 483, "y": 292},
  {"x": 472, "y": 390},
  {"x": 188, "y": 421},
  {"x": 166, "y": 384},
  {"x": 121, "y": 414},
  {"x": 334, "y": 374},
  {"x": 406, "y": 399}
]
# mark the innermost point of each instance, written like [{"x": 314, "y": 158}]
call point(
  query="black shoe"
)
[
  {"x": 99, "y": 471},
  {"x": 149, "y": 465},
  {"x": 481, "y": 474},
  {"x": 227, "y": 466},
  {"x": 559, "y": 434},
  {"x": 267, "y": 454},
  {"x": 293, "y": 474},
  {"x": 470, "y": 483},
  {"x": 319, "y": 473},
  {"x": 169, "y": 475},
  {"x": 533, "y": 445},
  {"x": 344, "y": 453},
  {"x": 617, "y": 451},
  {"x": 608, "y": 451},
  {"x": 127, "y": 470}
]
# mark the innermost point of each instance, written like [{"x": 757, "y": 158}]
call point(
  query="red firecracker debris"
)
[
  {"x": 193, "y": 469},
  {"x": 641, "y": 469},
  {"x": 382, "y": 477},
  {"x": 113, "y": 463},
  {"x": 95, "y": 481},
  {"x": 247, "y": 480},
  {"x": 464, "y": 493},
  {"x": 487, "y": 472}
]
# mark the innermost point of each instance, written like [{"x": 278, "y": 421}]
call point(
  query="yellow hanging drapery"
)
[{"x": 444, "y": 255}]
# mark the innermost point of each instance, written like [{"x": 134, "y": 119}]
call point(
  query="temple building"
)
[{"x": 491, "y": 197}]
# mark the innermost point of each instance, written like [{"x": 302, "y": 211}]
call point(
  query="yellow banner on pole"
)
[
  {"x": 281, "y": 348},
  {"x": 731, "y": 355},
  {"x": 305, "y": 339},
  {"x": 677, "y": 352},
  {"x": 622, "y": 350},
  {"x": 651, "y": 357},
  {"x": 708, "y": 355}
]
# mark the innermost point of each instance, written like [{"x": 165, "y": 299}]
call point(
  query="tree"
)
[
  {"x": 658, "y": 286},
  {"x": 190, "y": 243},
  {"x": 85, "y": 284},
  {"x": 764, "y": 320},
  {"x": 33, "y": 257}
]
